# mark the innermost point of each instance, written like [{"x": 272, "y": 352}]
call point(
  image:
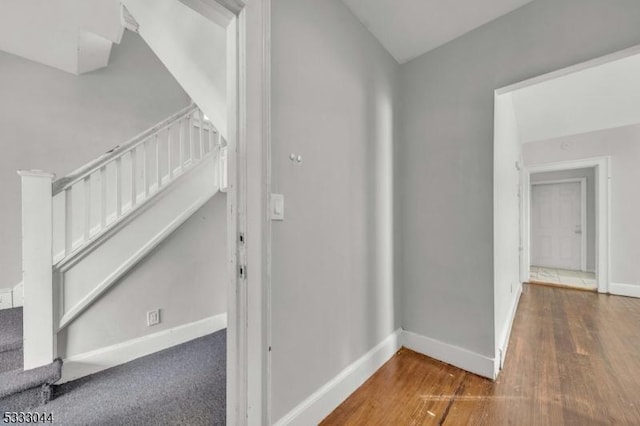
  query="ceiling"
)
[
  {"x": 602, "y": 97},
  {"x": 410, "y": 28},
  {"x": 72, "y": 35}
]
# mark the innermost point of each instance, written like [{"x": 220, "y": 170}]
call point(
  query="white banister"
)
[
  {"x": 88, "y": 218},
  {"x": 39, "y": 317},
  {"x": 131, "y": 184}
]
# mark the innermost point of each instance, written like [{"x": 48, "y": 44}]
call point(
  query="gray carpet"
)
[
  {"x": 183, "y": 385},
  {"x": 10, "y": 340},
  {"x": 10, "y": 329}
]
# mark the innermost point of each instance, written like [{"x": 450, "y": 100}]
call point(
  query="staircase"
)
[{"x": 84, "y": 232}]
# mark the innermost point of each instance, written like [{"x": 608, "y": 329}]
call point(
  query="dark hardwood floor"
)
[{"x": 573, "y": 359}]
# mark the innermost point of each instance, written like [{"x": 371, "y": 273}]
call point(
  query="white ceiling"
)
[
  {"x": 597, "y": 98},
  {"x": 409, "y": 28},
  {"x": 71, "y": 35}
]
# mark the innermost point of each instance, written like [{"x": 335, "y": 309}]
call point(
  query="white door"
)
[{"x": 556, "y": 225}]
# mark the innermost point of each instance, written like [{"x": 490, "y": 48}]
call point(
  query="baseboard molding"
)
[
  {"x": 450, "y": 354},
  {"x": 504, "y": 341},
  {"x": 12, "y": 297},
  {"x": 18, "y": 295},
  {"x": 92, "y": 362},
  {"x": 628, "y": 290},
  {"x": 323, "y": 401}
]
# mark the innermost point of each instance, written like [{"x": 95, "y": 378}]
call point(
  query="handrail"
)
[{"x": 65, "y": 182}]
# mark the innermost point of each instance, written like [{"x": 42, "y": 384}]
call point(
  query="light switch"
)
[{"x": 277, "y": 207}]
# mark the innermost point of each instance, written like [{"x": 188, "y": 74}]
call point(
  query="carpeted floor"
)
[
  {"x": 10, "y": 339},
  {"x": 183, "y": 385}
]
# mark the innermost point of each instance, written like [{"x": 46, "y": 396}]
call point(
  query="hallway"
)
[{"x": 574, "y": 359}]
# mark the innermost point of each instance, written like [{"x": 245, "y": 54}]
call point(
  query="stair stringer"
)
[{"x": 84, "y": 278}]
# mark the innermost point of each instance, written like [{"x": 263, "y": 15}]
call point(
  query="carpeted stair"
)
[{"x": 21, "y": 390}]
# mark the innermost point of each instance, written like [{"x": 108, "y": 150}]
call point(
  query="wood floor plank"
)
[{"x": 574, "y": 359}]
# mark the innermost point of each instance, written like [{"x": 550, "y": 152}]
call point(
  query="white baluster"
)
[
  {"x": 118, "y": 187},
  {"x": 87, "y": 208},
  {"x": 181, "y": 141},
  {"x": 134, "y": 177},
  {"x": 68, "y": 221},
  {"x": 103, "y": 197},
  {"x": 169, "y": 153},
  {"x": 192, "y": 142},
  {"x": 145, "y": 169},
  {"x": 201, "y": 115},
  {"x": 211, "y": 137},
  {"x": 158, "y": 176}
]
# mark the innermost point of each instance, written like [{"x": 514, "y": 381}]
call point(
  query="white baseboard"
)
[
  {"x": 454, "y": 355},
  {"x": 18, "y": 295},
  {"x": 504, "y": 341},
  {"x": 92, "y": 362},
  {"x": 12, "y": 297},
  {"x": 629, "y": 290},
  {"x": 323, "y": 401}
]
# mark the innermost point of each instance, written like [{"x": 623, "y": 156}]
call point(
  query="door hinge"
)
[
  {"x": 242, "y": 271},
  {"x": 241, "y": 238}
]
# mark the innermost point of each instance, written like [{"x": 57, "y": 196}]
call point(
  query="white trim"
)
[
  {"x": 625, "y": 53},
  {"x": 504, "y": 341},
  {"x": 97, "y": 360},
  {"x": 323, "y": 401},
  {"x": 18, "y": 295},
  {"x": 451, "y": 354},
  {"x": 602, "y": 167},
  {"x": 628, "y": 290},
  {"x": 114, "y": 277},
  {"x": 583, "y": 213}
]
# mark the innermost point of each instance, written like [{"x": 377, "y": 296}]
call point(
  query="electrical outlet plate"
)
[{"x": 153, "y": 317}]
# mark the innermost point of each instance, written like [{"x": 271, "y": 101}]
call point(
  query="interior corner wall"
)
[
  {"x": 622, "y": 144},
  {"x": 55, "y": 121},
  {"x": 334, "y": 95},
  {"x": 590, "y": 176},
  {"x": 444, "y": 185}
]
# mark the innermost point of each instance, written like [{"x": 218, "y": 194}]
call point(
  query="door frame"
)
[
  {"x": 248, "y": 24},
  {"x": 602, "y": 167},
  {"x": 583, "y": 212}
]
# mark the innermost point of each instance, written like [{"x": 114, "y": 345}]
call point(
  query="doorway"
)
[{"x": 563, "y": 228}]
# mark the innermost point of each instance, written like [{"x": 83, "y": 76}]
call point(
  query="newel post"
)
[{"x": 40, "y": 329}]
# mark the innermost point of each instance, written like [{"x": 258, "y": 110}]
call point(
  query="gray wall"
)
[
  {"x": 589, "y": 174},
  {"x": 55, "y": 121},
  {"x": 333, "y": 295},
  {"x": 622, "y": 144},
  {"x": 444, "y": 179}
]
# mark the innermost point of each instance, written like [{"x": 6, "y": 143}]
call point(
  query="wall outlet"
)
[
  {"x": 153, "y": 317},
  {"x": 6, "y": 299}
]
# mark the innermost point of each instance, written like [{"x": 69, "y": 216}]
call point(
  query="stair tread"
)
[{"x": 15, "y": 381}]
